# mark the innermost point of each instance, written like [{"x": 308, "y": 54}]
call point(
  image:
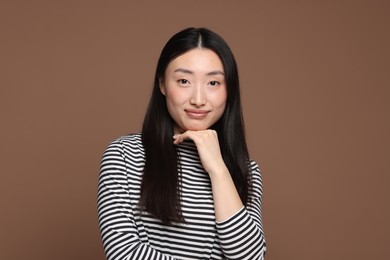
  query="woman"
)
[{"x": 185, "y": 187}]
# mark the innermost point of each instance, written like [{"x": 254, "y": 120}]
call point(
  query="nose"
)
[{"x": 198, "y": 97}]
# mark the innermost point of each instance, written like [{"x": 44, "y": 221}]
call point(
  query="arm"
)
[
  {"x": 242, "y": 235},
  {"x": 222, "y": 184},
  {"x": 117, "y": 223},
  {"x": 239, "y": 228}
]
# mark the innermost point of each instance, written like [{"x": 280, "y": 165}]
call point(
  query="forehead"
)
[{"x": 197, "y": 60}]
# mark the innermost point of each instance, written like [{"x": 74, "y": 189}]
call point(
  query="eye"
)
[
  {"x": 183, "y": 81},
  {"x": 214, "y": 83}
]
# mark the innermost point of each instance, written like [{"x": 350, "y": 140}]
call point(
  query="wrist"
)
[{"x": 219, "y": 172}]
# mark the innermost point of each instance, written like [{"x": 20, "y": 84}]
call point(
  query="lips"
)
[{"x": 196, "y": 113}]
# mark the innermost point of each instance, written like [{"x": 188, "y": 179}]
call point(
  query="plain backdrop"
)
[{"x": 315, "y": 89}]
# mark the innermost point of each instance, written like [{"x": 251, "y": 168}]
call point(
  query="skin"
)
[{"x": 195, "y": 90}]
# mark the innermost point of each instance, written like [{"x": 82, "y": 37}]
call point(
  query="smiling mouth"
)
[{"x": 196, "y": 114}]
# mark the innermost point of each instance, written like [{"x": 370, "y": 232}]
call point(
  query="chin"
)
[{"x": 195, "y": 128}]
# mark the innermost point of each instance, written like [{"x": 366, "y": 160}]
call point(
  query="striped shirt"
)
[{"x": 128, "y": 233}]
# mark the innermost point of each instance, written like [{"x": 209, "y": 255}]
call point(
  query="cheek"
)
[
  {"x": 220, "y": 100},
  {"x": 175, "y": 97}
]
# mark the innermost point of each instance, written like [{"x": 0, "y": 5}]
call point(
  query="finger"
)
[
  {"x": 178, "y": 138},
  {"x": 188, "y": 135}
]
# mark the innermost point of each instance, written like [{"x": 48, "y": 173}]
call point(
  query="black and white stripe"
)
[{"x": 129, "y": 234}]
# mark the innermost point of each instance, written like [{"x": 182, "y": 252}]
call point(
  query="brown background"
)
[{"x": 315, "y": 83}]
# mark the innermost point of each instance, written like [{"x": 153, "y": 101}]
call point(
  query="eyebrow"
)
[{"x": 211, "y": 73}]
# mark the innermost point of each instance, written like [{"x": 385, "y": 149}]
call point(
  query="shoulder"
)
[
  {"x": 129, "y": 139},
  {"x": 128, "y": 142},
  {"x": 254, "y": 169},
  {"x": 125, "y": 145},
  {"x": 256, "y": 177}
]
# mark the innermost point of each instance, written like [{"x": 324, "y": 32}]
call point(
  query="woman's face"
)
[{"x": 195, "y": 90}]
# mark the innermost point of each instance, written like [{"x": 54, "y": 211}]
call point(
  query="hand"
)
[
  {"x": 227, "y": 201},
  {"x": 206, "y": 142}
]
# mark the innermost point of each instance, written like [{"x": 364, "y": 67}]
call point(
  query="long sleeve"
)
[
  {"x": 242, "y": 235},
  {"x": 129, "y": 234},
  {"x": 118, "y": 225}
]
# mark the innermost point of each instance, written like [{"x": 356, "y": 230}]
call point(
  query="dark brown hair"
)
[{"x": 159, "y": 190}]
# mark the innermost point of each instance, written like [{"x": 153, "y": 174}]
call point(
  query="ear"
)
[{"x": 162, "y": 86}]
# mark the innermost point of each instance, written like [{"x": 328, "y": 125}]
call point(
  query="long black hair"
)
[{"x": 160, "y": 194}]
